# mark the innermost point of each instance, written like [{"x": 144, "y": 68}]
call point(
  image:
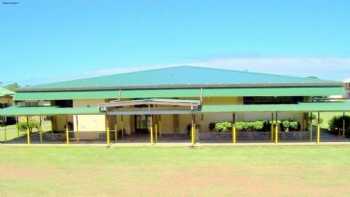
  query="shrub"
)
[
  {"x": 294, "y": 125},
  {"x": 223, "y": 126},
  {"x": 286, "y": 125},
  {"x": 23, "y": 126},
  {"x": 250, "y": 125},
  {"x": 336, "y": 125}
]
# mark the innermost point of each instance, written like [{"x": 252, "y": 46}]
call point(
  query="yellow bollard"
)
[
  {"x": 5, "y": 133},
  {"x": 272, "y": 132},
  {"x": 318, "y": 133},
  {"x": 41, "y": 135},
  {"x": 28, "y": 136},
  {"x": 193, "y": 137},
  {"x": 234, "y": 136},
  {"x": 67, "y": 134},
  {"x": 115, "y": 133},
  {"x": 156, "y": 132},
  {"x": 276, "y": 133},
  {"x": 318, "y": 128},
  {"x": 108, "y": 140},
  {"x": 151, "y": 135}
]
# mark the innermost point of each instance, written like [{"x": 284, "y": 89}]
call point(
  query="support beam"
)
[
  {"x": 28, "y": 132},
  {"x": 156, "y": 131},
  {"x": 108, "y": 139},
  {"x": 151, "y": 129},
  {"x": 41, "y": 130},
  {"x": 67, "y": 134},
  {"x": 272, "y": 127},
  {"x": 276, "y": 129},
  {"x": 193, "y": 131},
  {"x": 234, "y": 134},
  {"x": 77, "y": 126},
  {"x": 17, "y": 126},
  {"x": 116, "y": 132},
  {"x": 344, "y": 129},
  {"x": 159, "y": 126},
  {"x": 310, "y": 127},
  {"x": 5, "y": 130},
  {"x": 318, "y": 128}
]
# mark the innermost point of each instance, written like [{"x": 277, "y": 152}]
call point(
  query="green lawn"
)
[{"x": 161, "y": 171}]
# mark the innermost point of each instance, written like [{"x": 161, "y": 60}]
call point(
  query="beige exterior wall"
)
[
  {"x": 169, "y": 123},
  {"x": 89, "y": 123}
]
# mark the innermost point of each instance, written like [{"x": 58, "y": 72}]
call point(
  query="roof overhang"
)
[
  {"x": 180, "y": 93},
  {"x": 151, "y": 107}
]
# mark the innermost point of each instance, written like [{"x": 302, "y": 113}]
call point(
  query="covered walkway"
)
[{"x": 155, "y": 108}]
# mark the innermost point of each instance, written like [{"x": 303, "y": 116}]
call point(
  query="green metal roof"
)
[
  {"x": 31, "y": 111},
  {"x": 182, "y": 77},
  {"x": 180, "y": 93},
  {"x": 5, "y": 92},
  {"x": 301, "y": 107}
]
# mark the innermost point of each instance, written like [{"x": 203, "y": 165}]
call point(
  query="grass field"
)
[{"x": 166, "y": 171}]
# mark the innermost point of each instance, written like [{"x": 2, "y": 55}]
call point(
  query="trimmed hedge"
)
[{"x": 259, "y": 125}]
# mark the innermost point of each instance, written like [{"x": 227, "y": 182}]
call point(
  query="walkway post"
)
[
  {"x": 78, "y": 132},
  {"x": 151, "y": 130},
  {"x": 28, "y": 131},
  {"x": 40, "y": 131},
  {"x": 276, "y": 130},
  {"x": 272, "y": 127},
  {"x": 156, "y": 129},
  {"x": 5, "y": 130},
  {"x": 67, "y": 134},
  {"x": 193, "y": 128},
  {"x": 310, "y": 126},
  {"x": 108, "y": 140},
  {"x": 318, "y": 128},
  {"x": 116, "y": 130},
  {"x": 17, "y": 126},
  {"x": 344, "y": 124},
  {"x": 234, "y": 136},
  {"x": 159, "y": 125}
]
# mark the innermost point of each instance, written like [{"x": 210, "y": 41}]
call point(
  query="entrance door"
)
[{"x": 141, "y": 124}]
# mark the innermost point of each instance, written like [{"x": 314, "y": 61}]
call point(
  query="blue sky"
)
[{"x": 44, "y": 41}]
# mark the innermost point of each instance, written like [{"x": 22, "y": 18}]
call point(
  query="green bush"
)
[
  {"x": 223, "y": 126},
  {"x": 23, "y": 126},
  {"x": 250, "y": 125},
  {"x": 259, "y": 125},
  {"x": 288, "y": 125},
  {"x": 336, "y": 125},
  {"x": 294, "y": 125}
]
